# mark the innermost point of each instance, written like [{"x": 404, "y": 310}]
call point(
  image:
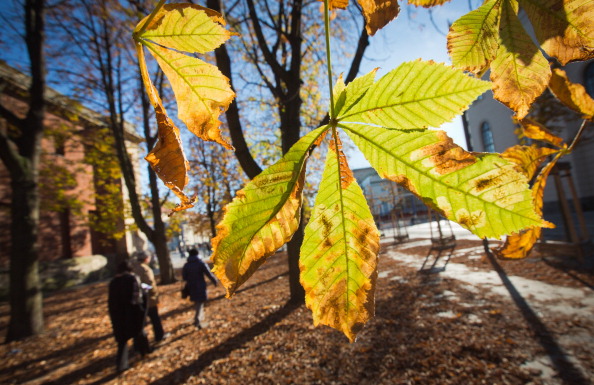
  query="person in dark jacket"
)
[
  {"x": 127, "y": 310},
  {"x": 193, "y": 273}
]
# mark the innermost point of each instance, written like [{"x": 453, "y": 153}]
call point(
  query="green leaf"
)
[
  {"x": 520, "y": 73},
  {"x": 353, "y": 92},
  {"x": 473, "y": 39},
  {"x": 339, "y": 252},
  {"x": 201, "y": 90},
  {"x": 563, "y": 27},
  {"x": 339, "y": 93},
  {"x": 416, "y": 95},
  {"x": 482, "y": 192},
  {"x": 186, "y": 27},
  {"x": 262, "y": 217}
]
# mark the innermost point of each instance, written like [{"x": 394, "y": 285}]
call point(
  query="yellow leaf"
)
[
  {"x": 333, "y": 4},
  {"x": 186, "y": 27},
  {"x": 201, "y": 90},
  {"x": 518, "y": 246},
  {"x": 563, "y": 27},
  {"x": 338, "y": 260},
  {"x": 534, "y": 130},
  {"x": 167, "y": 158},
  {"x": 427, "y": 3},
  {"x": 573, "y": 95},
  {"x": 520, "y": 73},
  {"x": 378, "y": 13},
  {"x": 527, "y": 158}
]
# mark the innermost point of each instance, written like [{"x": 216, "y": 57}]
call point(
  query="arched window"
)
[
  {"x": 589, "y": 78},
  {"x": 487, "y": 135}
]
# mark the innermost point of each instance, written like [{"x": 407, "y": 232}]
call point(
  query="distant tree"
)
[
  {"x": 104, "y": 72},
  {"x": 217, "y": 179}
]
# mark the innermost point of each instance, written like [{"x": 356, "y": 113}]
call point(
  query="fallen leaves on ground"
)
[{"x": 420, "y": 335}]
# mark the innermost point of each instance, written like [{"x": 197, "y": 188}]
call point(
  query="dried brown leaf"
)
[{"x": 378, "y": 13}]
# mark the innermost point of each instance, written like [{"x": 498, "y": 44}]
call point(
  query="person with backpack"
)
[{"x": 127, "y": 311}]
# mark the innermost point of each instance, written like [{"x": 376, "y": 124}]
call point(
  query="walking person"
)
[
  {"x": 147, "y": 277},
  {"x": 127, "y": 311},
  {"x": 193, "y": 273}
]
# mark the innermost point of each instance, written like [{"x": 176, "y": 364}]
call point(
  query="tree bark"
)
[
  {"x": 21, "y": 156},
  {"x": 159, "y": 238},
  {"x": 26, "y": 307}
]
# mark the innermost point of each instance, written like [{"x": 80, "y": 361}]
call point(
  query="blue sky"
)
[{"x": 412, "y": 36}]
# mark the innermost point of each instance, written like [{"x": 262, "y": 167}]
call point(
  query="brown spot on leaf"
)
[
  {"x": 446, "y": 156},
  {"x": 471, "y": 220},
  {"x": 271, "y": 179},
  {"x": 404, "y": 182},
  {"x": 346, "y": 175},
  {"x": 327, "y": 226},
  {"x": 482, "y": 184}
]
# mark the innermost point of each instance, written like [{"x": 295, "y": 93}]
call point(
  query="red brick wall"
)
[{"x": 53, "y": 227}]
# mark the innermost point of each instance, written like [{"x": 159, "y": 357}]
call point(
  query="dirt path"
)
[{"x": 457, "y": 326}]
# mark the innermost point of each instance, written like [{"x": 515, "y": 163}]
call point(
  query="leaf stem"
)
[
  {"x": 146, "y": 79},
  {"x": 577, "y": 136},
  {"x": 328, "y": 58},
  {"x": 149, "y": 19}
]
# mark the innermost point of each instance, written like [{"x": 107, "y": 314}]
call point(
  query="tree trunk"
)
[
  {"x": 26, "y": 307},
  {"x": 211, "y": 220},
  {"x": 290, "y": 134},
  {"x": 159, "y": 239},
  {"x": 165, "y": 266},
  {"x": 26, "y": 302},
  {"x": 293, "y": 252}
]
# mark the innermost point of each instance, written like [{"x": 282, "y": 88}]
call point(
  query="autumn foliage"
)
[{"x": 388, "y": 120}]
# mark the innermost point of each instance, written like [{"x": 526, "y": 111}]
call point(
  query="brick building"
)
[{"x": 70, "y": 184}]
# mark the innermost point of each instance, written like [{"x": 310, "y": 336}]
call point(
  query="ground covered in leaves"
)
[{"x": 429, "y": 328}]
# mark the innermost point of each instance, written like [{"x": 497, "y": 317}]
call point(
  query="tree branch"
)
[
  {"x": 270, "y": 59},
  {"x": 242, "y": 151},
  {"x": 10, "y": 117}
]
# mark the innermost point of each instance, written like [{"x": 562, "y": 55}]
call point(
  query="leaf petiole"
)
[
  {"x": 577, "y": 136},
  {"x": 329, "y": 64},
  {"x": 149, "y": 19}
]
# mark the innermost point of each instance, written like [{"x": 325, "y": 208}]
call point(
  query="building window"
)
[
  {"x": 60, "y": 148},
  {"x": 589, "y": 78},
  {"x": 487, "y": 135}
]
